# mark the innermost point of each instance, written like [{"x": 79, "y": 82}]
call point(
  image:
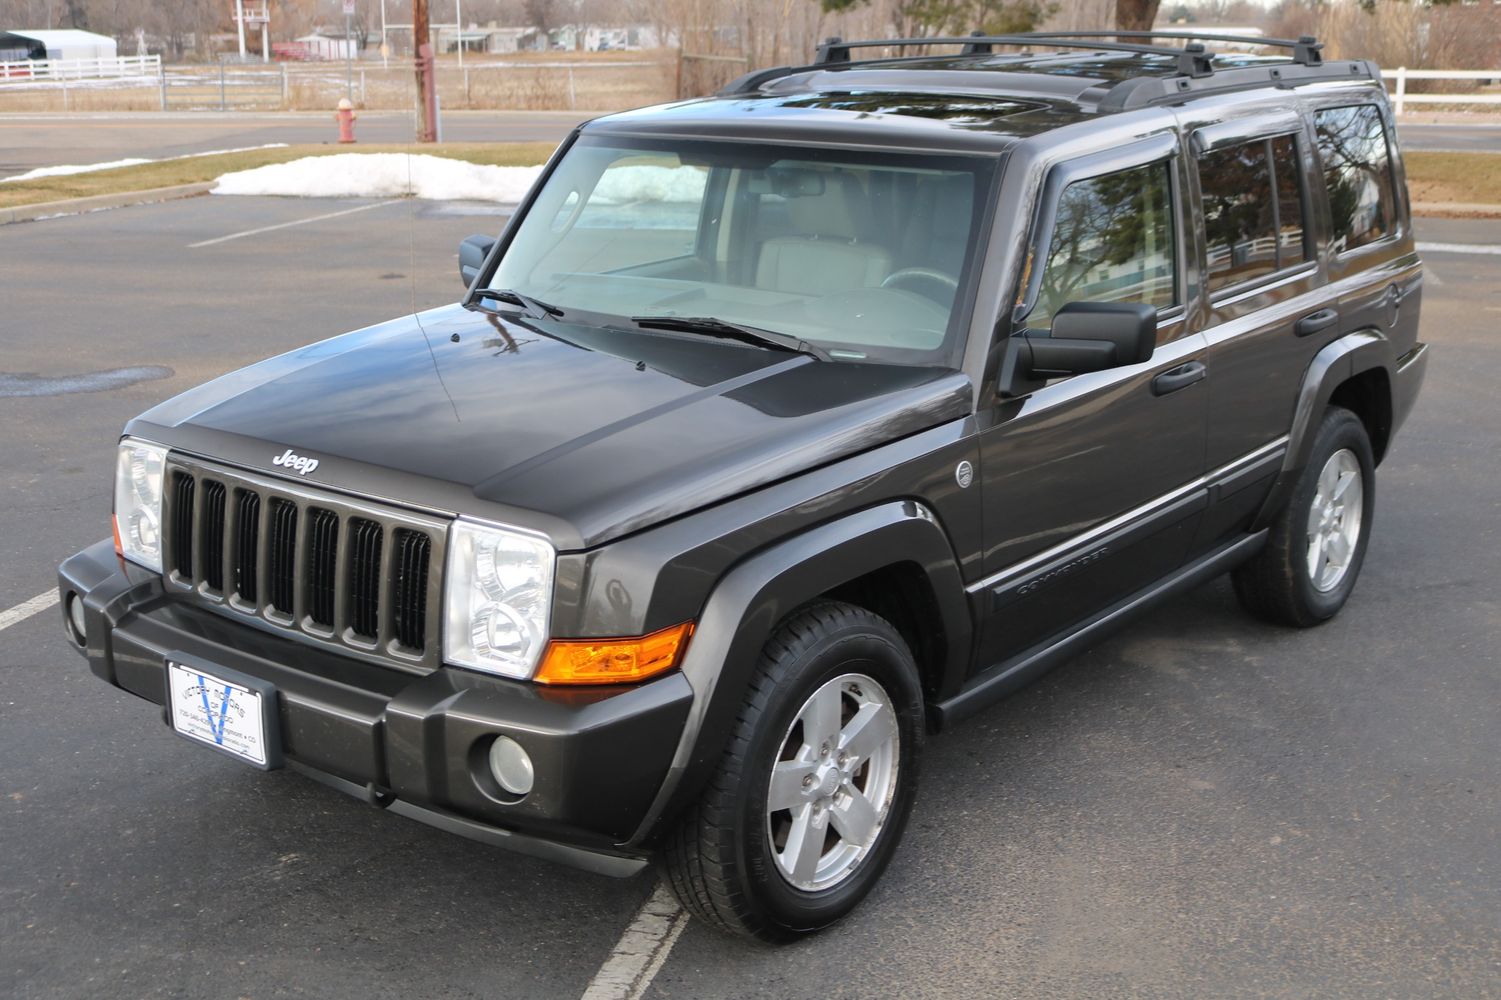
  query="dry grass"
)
[
  {"x": 1465, "y": 178},
  {"x": 167, "y": 173}
]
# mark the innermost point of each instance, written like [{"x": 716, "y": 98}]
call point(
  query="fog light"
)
[
  {"x": 76, "y": 620},
  {"x": 511, "y": 766}
]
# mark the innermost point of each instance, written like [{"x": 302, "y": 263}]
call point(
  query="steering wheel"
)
[{"x": 921, "y": 274}]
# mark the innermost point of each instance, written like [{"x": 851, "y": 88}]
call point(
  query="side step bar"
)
[{"x": 996, "y": 682}]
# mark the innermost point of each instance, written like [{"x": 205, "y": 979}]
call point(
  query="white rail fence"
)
[
  {"x": 80, "y": 69},
  {"x": 1397, "y": 80}
]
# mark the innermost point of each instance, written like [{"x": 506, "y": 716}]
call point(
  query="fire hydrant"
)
[{"x": 345, "y": 117}]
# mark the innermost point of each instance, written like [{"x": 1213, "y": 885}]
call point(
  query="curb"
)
[
  {"x": 1455, "y": 210},
  {"x": 75, "y": 206}
]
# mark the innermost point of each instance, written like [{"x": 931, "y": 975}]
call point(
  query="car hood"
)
[{"x": 583, "y": 433}]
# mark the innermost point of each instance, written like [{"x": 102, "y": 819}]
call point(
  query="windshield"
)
[{"x": 862, "y": 254}]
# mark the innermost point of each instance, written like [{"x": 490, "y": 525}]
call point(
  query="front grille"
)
[{"x": 346, "y": 572}]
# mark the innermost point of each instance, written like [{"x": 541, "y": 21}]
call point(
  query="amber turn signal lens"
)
[{"x": 613, "y": 661}]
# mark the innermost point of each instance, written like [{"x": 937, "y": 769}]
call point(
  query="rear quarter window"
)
[{"x": 1356, "y": 159}]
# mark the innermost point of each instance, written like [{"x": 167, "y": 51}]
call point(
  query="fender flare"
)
[
  {"x": 1337, "y": 362},
  {"x": 748, "y": 602}
]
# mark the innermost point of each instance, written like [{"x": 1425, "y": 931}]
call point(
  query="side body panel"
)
[
  {"x": 1092, "y": 483},
  {"x": 1255, "y": 353}
]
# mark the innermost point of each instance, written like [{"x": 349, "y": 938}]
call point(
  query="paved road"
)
[
  {"x": 37, "y": 140},
  {"x": 1480, "y": 138},
  {"x": 1201, "y": 807}
]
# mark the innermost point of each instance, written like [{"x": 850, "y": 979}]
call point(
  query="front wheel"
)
[
  {"x": 812, "y": 794},
  {"x": 1316, "y": 546}
]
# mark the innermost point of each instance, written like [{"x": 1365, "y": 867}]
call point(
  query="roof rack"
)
[
  {"x": 1307, "y": 50},
  {"x": 1195, "y": 72},
  {"x": 837, "y": 50}
]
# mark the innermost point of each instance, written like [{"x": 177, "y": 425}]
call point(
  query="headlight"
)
[
  {"x": 497, "y": 599},
  {"x": 138, "y": 501}
]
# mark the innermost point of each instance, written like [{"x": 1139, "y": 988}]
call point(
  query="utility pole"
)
[
  {"x": 458, "y": 15},
  {"x": 349, "y": 50},
  {"x": 385, "y": 50},
  {"x": 427, "y": 96},
  {"x": 240, "y": 25}
]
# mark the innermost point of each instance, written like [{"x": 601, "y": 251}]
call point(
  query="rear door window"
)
[
  {"x": 1254, "y": 207},
  {"x": 1358, "y": 175}
]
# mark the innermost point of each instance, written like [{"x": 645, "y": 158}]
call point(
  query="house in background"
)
[{"x": 490, "y": 39}]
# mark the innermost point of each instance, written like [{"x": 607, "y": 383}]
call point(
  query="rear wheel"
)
[
  {"x": 1307, "y": 570},
  {"x": 812, "y": 794}
]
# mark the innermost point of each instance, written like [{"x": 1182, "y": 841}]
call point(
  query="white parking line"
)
[
  {"x": 288, "y": 225},
  {"x": 1481, "y": 248},
  {"x": 26, "y": 609},
  {"x": 641, "y": 950}
]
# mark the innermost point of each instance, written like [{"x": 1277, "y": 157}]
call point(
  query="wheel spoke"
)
[
  {"x": 1338, "y": 549},
  {"x": 1328, "y": 476},
  {"x": 1343, "y": 484},
  {"x": 787, "y": 791},
  {"x": 1315, "y": 556},
  {"x": 854, "y": 817},
  {"x": 1315, "y": 518},
  {"x": 804, "y": 845},
  {"x": 821, "y": 718},
  {"x": 870, "y": 728}
]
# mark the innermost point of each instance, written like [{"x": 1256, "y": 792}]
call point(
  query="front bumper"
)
[{"x": 414, "y": 744}]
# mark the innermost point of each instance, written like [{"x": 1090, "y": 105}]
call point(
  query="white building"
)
[{"x": 66, "y": 43}]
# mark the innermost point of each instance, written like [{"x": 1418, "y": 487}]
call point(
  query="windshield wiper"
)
[
  {"x": 712, "y": 327},
  {"x": 535, "y": 308}
]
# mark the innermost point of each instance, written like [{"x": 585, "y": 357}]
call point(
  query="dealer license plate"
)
[{"x": 225, "y": 715}]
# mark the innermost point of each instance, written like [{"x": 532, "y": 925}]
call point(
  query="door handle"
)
[
  {"x": 1179, "y": 378},
  {"x": 1316, "y": 322}
]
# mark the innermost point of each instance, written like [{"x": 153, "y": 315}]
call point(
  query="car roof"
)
[{"x": 984, "y": 101}]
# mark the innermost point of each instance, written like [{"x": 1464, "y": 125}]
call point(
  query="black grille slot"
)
[
  {"x": 413, "y": 549},
  {"x": 183, "y": 489},
  {"x": 323, "y": 558},
  {"x": 247, "y": 542},
  {"x": 365, "y": 538},
  {"x": 212, "y": 534},
  {"x": 281, "y": 555}
]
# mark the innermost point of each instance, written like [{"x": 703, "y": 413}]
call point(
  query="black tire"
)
[
  {"x": 1277, "y": 585},
  {"x": 719, "y": 861}
]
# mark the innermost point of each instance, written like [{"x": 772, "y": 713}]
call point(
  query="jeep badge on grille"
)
[{"x": 297, "y": 463}]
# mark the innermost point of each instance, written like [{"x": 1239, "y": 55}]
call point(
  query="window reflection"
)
[{"x": 1357, "y": 172}]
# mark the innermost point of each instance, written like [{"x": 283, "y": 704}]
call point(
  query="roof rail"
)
[
  {"x": 1307, "y": 50},
  {"x": 835, "y": 51}
]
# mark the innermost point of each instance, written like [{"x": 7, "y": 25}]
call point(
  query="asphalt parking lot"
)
[{"x": 1203, "y": 806}]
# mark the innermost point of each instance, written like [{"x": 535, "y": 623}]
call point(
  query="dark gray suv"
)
[{"x": 777, "y": 431}]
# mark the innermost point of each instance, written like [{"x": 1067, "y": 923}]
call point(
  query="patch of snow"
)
[
  {"x": 383, "y": 175},
  {"x": 68, "y": 169},
  {"x": 620, "y": 185},
  {"x": 437, "y": 178},
  {"x": 71, "y": 168}
]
